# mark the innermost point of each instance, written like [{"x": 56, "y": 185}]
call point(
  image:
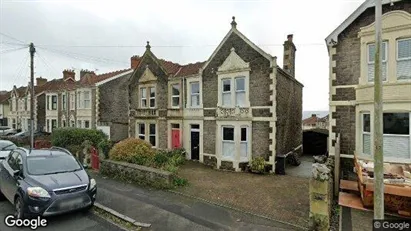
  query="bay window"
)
[
  {"x": 64, "y": 101},
  {"x": 143, "y": 97},
  {"x": 228, "y": 142},
  {"x": 244, "y": 142},
  {"x": 226, "y": 92},
  {"x": 175, "y": 95},
  {"x": 72, "y": 101},
  {"x": 87, "y": 100},
  {"x": 404, "y": 59},
  {"x": 195, "y": 94},
  {"x": 79, "y": 99},
  {"x": 152, "y": 134},
  {"x": 152, "y": 97},
  {"x": 396, "y": 135},
  {"x": 371, "y": 61},
  {"x": 240, "y": 91},
  {"x": 142, "y": 131},
  {"x": 54, "y": 102}
]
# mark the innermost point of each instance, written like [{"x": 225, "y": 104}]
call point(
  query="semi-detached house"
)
[
  {"x": 237, "y": 105},
  {"x": 351, "y": 48}
]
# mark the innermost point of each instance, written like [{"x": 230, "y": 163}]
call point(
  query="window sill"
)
[{"x": 391, "y": 160}]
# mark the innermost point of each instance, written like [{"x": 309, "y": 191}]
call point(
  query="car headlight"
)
[
  {"x": 37, "y": 192},
  {"x": 92, "y": 184}
]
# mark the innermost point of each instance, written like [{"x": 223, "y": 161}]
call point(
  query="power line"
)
[
  {"x": 161, "y": 46},
  {"x": 81, "y": 57},
  {"x": 49, "y": 67},
  {"x": 11, "y": 50},
  {"x": 11, "y": 37},
  {"x": 14, "y": 44}
]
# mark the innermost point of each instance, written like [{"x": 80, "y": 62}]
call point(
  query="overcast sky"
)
[{"x": 102, "y": 35}]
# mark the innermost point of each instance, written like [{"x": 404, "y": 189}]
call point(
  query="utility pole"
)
[
  {"x": 378, "y": 119},
  {"x": 32, "y": 51}
]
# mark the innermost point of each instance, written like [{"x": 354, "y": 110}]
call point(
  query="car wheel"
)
[{"x": 19, "y": 207}]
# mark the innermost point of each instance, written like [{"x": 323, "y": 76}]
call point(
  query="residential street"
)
[
  {"x": 168, "y": 211},
  {"x": 70, "y": 222}
]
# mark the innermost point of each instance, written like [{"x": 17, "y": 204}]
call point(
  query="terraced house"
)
[
  {"x": 236, "y": 105},
  {"x": 71, "y": 103},
  {"x": 19, "y": 116},
  {"x": 351, "y": 49}
]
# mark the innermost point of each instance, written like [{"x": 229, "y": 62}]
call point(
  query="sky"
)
[{"x": 102, "y": 35}]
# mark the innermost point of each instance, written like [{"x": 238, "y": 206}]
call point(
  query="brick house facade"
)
[
  {"x": 235, "y": 106},
  {"x": 350, "y": 49}
]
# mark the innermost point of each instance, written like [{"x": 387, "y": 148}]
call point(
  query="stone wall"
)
[
  {"x": 113, "y": 106},
  {"x": 289, "y": 113},
  {"x": 260, "y": 139},
  {"x": 141, "y": 175}
]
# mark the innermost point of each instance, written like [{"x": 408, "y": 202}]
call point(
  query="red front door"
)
[{"x": 175, "y": 138}]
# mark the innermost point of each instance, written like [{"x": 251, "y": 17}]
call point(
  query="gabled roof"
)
[
  {"x": 4, "y": 97},
  {"x": 91, "y": 78},
  {"x": 332, "y": 39},
  {"x": 57, "y": 85},
  {"x": 243, "y": 37},
  {"x": 190, "y": 69}
]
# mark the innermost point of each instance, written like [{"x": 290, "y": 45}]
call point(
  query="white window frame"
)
[
  {"x": 143, "y": 97},
  {"x": 72, "y": 101},
  {"x": 150, "y": 97},
  {"x": 365, "y": 133},
  {"x": 195, "y": 94},
  {"x": 143, "y": 135},
  {"x": 384, "y": 61},
  {"x": 151, "y": 135},
  {"x": 80, "y": 104},
  {"x": 227, "y": 141},
  {"x": 173, "y": 96},
  {"x": 401, "y": 59},
  {"x": 246, "y": 142},
  {"x": 86, "y": 101},
  {"x": 89, "y": 124},
  {"x": 51, "y": 124},
  {"x": 64, "y": 101},
  {"x": 233, "y": 76},
  {"x": 226, "y": 92},
  {"x": 79, "y": 123},
  {"x": 239, "y": 91}
]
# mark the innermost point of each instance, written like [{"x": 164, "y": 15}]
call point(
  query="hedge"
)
[{"x": 66, "y": 137}]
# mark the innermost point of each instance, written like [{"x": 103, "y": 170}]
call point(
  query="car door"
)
[{"x": 8, "y": 179}]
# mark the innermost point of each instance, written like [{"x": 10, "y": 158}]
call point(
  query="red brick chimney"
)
[
  {"x": 289, "y": 56},
  {"x": 83, "y": 72},
  {"x": 135, "y": 60},
  {"x": 69, "y": 74},
  {"x": 40, "y": 81}
]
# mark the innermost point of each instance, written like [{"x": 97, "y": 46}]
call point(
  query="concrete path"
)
[
  {"x": 168, "y": 211},
  {"x": 303, "y": 170}
]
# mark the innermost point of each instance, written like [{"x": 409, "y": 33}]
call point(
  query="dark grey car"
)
[{"x": 45, "y": 182}]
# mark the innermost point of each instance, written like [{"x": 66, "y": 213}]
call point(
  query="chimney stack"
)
[
  {"x": 313, "y": 115},
  {"x": 289, "y": 56},
  {"x": 69, "y": 74},
  {"x": 40, "y": 81},
  {"x": 135, "y": 60},
  {"x": 83, "y": 72}
]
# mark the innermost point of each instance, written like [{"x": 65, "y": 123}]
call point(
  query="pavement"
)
[
  {"x": 77, "y": 221},
  {"x": 168, "y": 211},
  {"x": 303, "y": 170}
]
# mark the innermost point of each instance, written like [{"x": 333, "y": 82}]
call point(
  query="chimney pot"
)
[
  {"x": 313, "y": 115},
  {"x": 69, "y": 74}
]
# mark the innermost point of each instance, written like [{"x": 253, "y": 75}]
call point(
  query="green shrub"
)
[
  {"x": 64, "y": 137},
  {"x": 104, "y": 146},
  {"x": 180, "y": 181},
  {"x": 160, "y": 159},
  {"x": 133, "y": 150},
  {"x": 257, "y": 164}
]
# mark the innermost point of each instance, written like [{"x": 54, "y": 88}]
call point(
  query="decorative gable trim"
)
[
  {"x": 251, "y": 44},
  {"x": 147, "y": 76},
  {"x": 233, "y": 63},
  {"x": 391, "y": 21}
]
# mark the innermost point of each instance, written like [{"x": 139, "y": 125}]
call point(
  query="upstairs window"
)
[
  {"x": 404, "y": 59},
  {"x": 80, "y": 100},
  {"x": 54, "y": 102},
  {"x": 64, "y": 101},
  {"x": 371, "y": 61},
  {"x": 143, "y": 95},
  {"x": 72, "y": 102},
  {"x": 240, "y": 91},
  {"x": 195, "y": 94},
  {"x": 175, "y": 95},
  {"x": 152, "y": 97},
  {"x": 87, "y": 100},
  {"x": 226, "y": 92}
]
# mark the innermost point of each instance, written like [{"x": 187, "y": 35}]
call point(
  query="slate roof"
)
[{"x": 4, "y": 98}]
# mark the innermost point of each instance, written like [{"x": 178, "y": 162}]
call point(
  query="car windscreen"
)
[{"x": 41, "y": 165}]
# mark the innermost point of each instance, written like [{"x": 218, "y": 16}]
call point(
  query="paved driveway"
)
[{"x": 70, "y": 222}]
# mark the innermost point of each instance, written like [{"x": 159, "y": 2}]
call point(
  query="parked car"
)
[
  {"x": 26, "y": 134},
  {"x": 5, "y": 147},
  {"x": 45, "y": 182},
  {"x": 6, "y": 131}
]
